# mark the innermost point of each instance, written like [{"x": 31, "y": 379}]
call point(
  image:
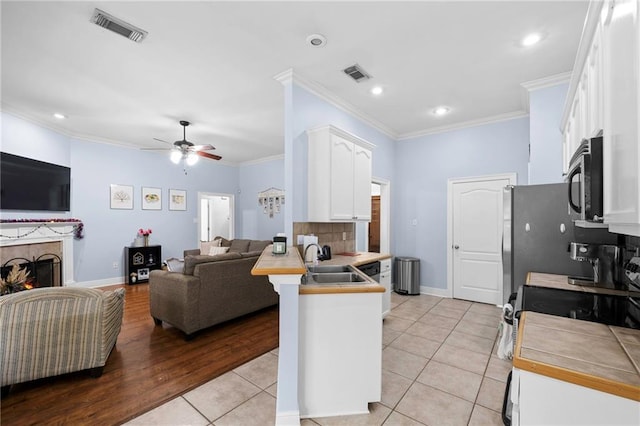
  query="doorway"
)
[
  {"x": 215, "y": 216},
  {"x": 475, "y": 227},
  {"x": 378, "y": 231},
  {"x": 374, "y": 225}
]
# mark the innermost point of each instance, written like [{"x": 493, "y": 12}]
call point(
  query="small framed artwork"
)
[
  {"x": 177, "y": 199},
  {"x": 151, "y": 198},
  {"x": 121, "y": 197}
]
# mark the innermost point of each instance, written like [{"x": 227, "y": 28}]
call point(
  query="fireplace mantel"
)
[{"x": 17, "y": 233}]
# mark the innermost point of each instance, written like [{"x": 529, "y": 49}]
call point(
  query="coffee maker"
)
[{"x": 606, "y": 260}]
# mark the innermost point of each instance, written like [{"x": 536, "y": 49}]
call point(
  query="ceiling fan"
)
[{"x": 185, "y": 150}]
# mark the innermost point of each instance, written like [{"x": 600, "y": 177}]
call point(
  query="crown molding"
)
[
  {"x": 541, "y": 83},
  {"x": 261, "y": 160},
  {"x": 290, "y": 76},
  {"x": 466, "y": 124}
]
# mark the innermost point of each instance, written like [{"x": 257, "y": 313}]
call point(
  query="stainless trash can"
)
[{"x": 407, "y": 275}]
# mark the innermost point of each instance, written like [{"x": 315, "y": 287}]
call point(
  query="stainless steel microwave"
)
[{"x": 585, "y": 181}]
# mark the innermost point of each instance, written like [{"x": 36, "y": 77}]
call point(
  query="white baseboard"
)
[
  {"x": 440, "y": 292},
  {"x": 98, "y": 283},
  {"x": 288, "y": 418}
]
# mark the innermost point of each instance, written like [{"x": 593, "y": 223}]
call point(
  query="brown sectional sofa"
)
[{"x": 211, "y": 289}]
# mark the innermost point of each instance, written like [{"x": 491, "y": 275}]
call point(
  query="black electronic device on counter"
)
[{"x": 326, "y": 253}]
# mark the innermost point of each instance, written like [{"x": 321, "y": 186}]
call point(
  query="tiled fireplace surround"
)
[{"x": 18, "y": 240}]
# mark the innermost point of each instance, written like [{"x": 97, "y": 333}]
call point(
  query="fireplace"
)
[
  {"x": 30, "y": 241},
  {"x": 44, "y": 271}
]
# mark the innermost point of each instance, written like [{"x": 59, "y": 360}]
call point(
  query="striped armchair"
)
[{"x": 50, "y": 331}]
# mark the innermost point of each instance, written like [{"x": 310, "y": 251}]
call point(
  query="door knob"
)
[{"x": 456, "y": 247}]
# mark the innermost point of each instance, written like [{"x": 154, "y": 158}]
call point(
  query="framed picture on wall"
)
[
  {"x": 177, "y": 199},
  {"x": 151, "y": 198},
  {"x": 121, "y": 197}
]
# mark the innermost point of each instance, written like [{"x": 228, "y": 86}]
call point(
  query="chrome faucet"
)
[{"x": 307, "y": 248}]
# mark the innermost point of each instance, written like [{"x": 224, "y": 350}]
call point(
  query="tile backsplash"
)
[{"x": 330, "y": 234}]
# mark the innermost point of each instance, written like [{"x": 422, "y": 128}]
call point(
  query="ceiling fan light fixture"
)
[
  {"x": 192, "y": 158},
  {"x": 175, "y": 156}
]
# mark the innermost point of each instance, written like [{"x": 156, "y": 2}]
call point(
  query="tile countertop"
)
[
  {"x": 292, "y": 263},
  {"x": 597, "y": 356},
  {"x": 560, "y": 282}
]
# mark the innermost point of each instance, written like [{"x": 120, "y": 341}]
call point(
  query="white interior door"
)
[
  {"x": 215, "y": 216},
  {"x": 476, "y": 238}
]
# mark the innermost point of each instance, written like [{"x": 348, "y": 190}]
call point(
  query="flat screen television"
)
[{"x": 27, "y": 184}]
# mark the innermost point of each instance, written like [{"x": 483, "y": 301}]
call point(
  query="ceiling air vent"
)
[
  {"x": 357, "y": 73},
  {"x": 118, "y": 26}
]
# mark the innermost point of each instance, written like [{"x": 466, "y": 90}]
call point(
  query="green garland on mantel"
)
[{"x": 78, "y": 226}]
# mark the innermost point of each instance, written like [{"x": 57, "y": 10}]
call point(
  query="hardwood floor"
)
[{"x": 148, "y": 366}]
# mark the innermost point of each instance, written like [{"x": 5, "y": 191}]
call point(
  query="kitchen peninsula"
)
[
  {"x": 330, "y": 355},
  {"x": 568, "y": 371}
]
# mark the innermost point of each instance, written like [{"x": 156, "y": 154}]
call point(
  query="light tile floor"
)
[{"x": 440, "y": 367}]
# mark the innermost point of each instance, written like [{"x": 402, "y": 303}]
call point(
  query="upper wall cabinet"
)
[
  {"x": 621, "y": 151},
  {"x": 604, "y": 95},
  {"x": 339, "y": 179},
  {"x": 583, "y": 112}
]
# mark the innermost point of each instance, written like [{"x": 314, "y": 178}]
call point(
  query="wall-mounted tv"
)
[{"x": 27, "y": 184}]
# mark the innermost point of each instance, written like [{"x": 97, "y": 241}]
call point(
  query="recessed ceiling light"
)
[
  {"x": 317, "y": 40},
  {"x": 531, "y": 39},
  {"x": 377, "y": 90},
  {"x": 59, "y": 116},
  {"x": 441, "y": 110}
]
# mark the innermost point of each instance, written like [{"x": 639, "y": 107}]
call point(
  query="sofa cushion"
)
[
  {"x": 251, "y": 253},
  {"x": 213, "y": 251},
  {"x": 239, "y": 246},
  {"x": 222, "y": 242},
  {"x": 255, "y": 245},
  {"x": 190, "y": 262}
]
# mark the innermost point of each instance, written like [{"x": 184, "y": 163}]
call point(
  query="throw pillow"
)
[
  {"x": 217, "y": 250},
  {"x": 239, "y": 245}
]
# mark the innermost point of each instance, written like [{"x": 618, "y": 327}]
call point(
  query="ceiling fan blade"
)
[
  {"x": 155, "y": 149},
  {"x": 160, "y": 140},
  {"x": 203, "y": 147},
  {"x": 207, "y": 155}
]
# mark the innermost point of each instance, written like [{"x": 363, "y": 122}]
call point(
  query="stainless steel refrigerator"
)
[{"x": 537, "y": 233}]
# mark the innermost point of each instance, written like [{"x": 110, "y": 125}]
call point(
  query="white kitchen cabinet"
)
[
  {"x": 340, "y": 347},
  {"x": 339, "y": 176},
  {"x": 385, "y": 280},
  {"x": 621, "y": 150},
  {"x": 583, "y": 114},
  {"x": 542, "y": 400}
]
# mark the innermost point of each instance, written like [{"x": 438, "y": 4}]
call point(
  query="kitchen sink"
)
[
  {"x": 334, "y": 278},
  {"x": 323, "y": 269}
]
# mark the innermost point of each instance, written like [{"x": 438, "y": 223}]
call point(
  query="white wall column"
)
[{"x": 287, "y": 406}]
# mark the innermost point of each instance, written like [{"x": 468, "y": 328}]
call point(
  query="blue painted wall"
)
[
  {"x": 417, "y": 168},
  {"x": 423, "y": 166},
  {"x": 545, "y": 112},
  {"x": 94, "y": 166},
  {"x": 309, "y": 111},
  {"x": 255, "y": 178}
]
